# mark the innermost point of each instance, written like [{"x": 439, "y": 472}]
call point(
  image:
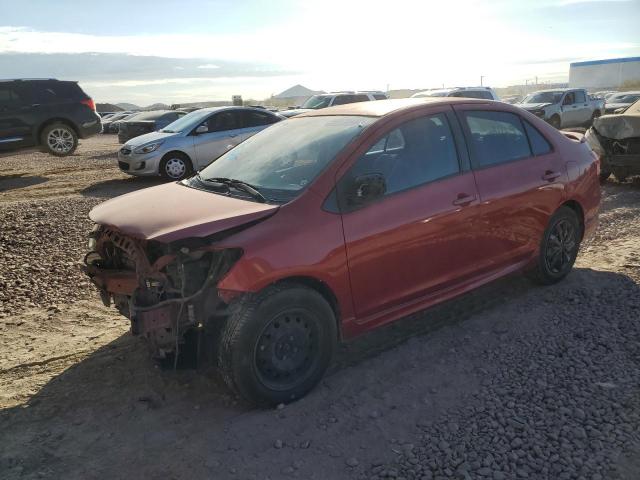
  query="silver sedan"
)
[{"x": 193, "y": 141}]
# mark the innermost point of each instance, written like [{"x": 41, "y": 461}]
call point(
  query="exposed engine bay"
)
[{"x": 167, "y": 291}]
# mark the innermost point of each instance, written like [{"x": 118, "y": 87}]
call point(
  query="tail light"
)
[{"x": 89, "y": 103}]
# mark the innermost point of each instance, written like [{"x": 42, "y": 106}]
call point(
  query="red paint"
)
[{"x": 394, "y": 257}]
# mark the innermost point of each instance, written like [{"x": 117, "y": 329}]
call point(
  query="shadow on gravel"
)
[
  {"x": 14, "y": 182},
  {"x": 116, "y": 404},
  {"x": 113, "y": 188}
]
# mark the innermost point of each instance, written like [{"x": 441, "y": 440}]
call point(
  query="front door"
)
[
  {"x": 224, "y": 131},
  {"x": 15, "y": 130},
  {"x": 417, "y": 236}
]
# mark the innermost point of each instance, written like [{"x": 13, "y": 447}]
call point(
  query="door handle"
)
[
  {"x": 463, "y": 199},
  {"x": 550, "y": 176}
]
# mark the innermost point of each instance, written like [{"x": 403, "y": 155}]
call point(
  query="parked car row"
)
[{"x": 310, "y": 230}]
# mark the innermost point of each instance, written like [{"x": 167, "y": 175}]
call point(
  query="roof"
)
[
  {"x": 379, "y": 108},
  {"x": 604, "y": 62}
]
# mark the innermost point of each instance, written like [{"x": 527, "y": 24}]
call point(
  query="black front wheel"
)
[
  {"x": 559, "y": 247},
  {"x": 277, "y": 344}
]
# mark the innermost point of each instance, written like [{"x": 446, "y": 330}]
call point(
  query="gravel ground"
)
[{"x": 511, "y": 381}]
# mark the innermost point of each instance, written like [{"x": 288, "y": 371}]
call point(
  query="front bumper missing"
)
[{"x": 165, "y": 299}]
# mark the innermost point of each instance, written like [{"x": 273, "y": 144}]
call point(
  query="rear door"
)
[
  {"x": 520, "y": 181},
  {"x": 223, "y": 134},
  {"x": 16, "y": 117},
  {"x": 417, "y": 238},
  {"x": 570, "y": 110}
]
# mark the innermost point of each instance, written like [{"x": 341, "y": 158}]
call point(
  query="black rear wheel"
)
[
  {"x": 559, "y": 247},
  {"x": 277, "y": 344}
]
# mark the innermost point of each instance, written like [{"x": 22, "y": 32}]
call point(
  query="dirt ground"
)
[{"x": 510, "y": 381}]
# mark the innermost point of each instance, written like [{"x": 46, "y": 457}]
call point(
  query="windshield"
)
[
  {"x": 543, "y": 97},
  {"x": 285, "y": 158},
  {"x": 188, "y": 122},
  {"x": 318, "y": 101}
]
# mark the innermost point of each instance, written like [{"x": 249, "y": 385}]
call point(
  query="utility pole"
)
[{"x": 481, "y": 79}]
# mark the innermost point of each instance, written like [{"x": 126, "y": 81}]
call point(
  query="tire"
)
[
  {"x": 277, "y": 344},
  {"x": 175, "y": 166},
  {"x": 554, "y": 121},
  {"x": 562, "y": 235},
  {"x": 59, "y": 139}
]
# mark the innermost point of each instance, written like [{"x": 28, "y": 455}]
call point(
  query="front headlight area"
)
[{"x": 148, "y": 148}]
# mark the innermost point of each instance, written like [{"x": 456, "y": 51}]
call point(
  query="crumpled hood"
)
[
  {"x": 533, "y": 106},
  {"x": 172, "y": 212},
  {"x": 618, "y": 127}
]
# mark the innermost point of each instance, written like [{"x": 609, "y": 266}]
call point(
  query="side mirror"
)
[
  {"x": 202, "y": 129},
  {"x": 365, "y": 188}
]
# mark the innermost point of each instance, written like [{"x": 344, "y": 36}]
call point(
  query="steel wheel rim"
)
[
  {"x": 560, "y": 248},
  {"x": 287, "y": 350},
  {"x": 60, "y": 140},
  {"x": 175, "y": 167}
]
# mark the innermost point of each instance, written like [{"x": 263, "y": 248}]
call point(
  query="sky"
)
[{"x": 148, "y": 51}]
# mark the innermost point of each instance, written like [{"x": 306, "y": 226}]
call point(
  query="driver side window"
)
[
  {"x": 417, "y": 152},
  {"x": 569, "y": 99}
]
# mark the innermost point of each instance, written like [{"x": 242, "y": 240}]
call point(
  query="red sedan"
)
[{"x": 338, "y": 221}]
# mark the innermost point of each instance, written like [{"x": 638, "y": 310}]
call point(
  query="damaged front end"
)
[
  {"x": 168, "y": 291},
  {"x": 616, "y": 139}
]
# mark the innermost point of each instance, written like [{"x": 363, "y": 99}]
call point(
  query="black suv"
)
[{"x": 51, "y": 114}]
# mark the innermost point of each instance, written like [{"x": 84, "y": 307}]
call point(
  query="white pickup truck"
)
[{"x": 569, "y": 107}]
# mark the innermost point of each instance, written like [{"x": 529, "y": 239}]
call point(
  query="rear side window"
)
[
  {"x": 361, "y": 98},
  {"x": 539, "y": 144},
  {"x": 257, "y": 119},
  {"x": 496, "y": 137},
  {"x": 379, "y": 96},
  {"x": 344, "y": 99},
  {"x": 9, "y": 98},
  {"x": 53, "y": 92},
  {"x": 417, "y": 152}
]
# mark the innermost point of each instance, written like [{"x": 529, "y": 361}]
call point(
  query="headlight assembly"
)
[{"x": 151, "y": 147}]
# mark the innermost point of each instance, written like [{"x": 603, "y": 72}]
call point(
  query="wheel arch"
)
[
  {"x": 579, "y": 211},
  {"x": 51, "y": 121},
  {"x": 323, "y": 289}
]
